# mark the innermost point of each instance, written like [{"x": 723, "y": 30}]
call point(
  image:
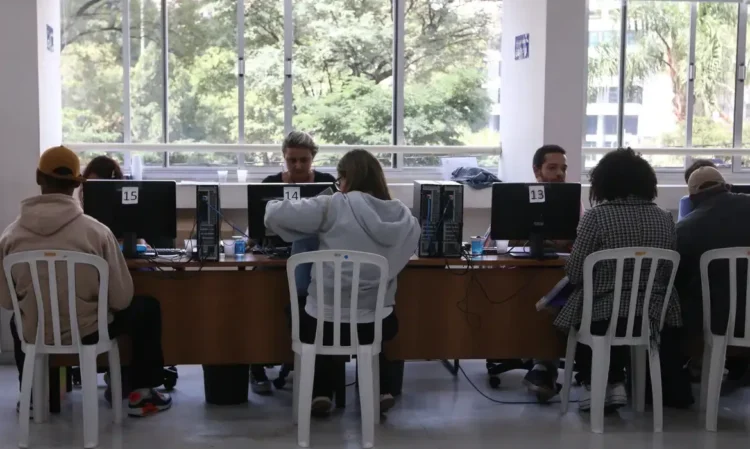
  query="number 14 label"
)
[
  {"x": 292, "y": 193},
  {"x": 536, "y": 194}
]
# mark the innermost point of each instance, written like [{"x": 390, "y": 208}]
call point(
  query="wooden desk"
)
[{"x": 232, "y": 311}]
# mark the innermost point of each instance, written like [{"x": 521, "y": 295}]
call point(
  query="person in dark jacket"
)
[{"x": 719, "y": 220}]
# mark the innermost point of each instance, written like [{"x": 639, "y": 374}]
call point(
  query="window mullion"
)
[
  {"x": 621, "y": 78},
  {"x": 691, "y": 73},
  {"x": 288, "y": 58}
]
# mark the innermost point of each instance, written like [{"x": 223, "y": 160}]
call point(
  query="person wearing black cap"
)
[{"x": 54, "y": 220}]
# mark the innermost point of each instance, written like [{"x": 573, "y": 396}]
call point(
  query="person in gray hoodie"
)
[
  {"x": 361, "y": 217},
  {"x": 52, "y": 221}
]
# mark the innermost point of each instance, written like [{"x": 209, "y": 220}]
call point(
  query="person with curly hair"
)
[{"x": 623, "y": 189}]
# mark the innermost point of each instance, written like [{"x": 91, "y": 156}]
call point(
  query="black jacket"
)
[
  {"x": 720, "y": 220},
  {"x": 318, "y": 177}
]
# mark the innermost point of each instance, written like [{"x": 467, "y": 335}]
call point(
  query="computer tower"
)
[
  {"x": 208, "y": 221},
  {"x": 438, "y": 205}
]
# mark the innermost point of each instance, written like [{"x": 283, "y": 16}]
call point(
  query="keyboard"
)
[{"x": 164, "y": 252}]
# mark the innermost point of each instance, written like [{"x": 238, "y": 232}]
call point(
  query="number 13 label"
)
[
  {"x": 130, "y": 195},
  {"x": 292, "y": 193},
  {"x": 536, "y": 194}
]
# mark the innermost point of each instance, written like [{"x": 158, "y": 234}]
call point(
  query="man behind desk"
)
[
  {"x": 550, "y": 165},
  {"x": 54, "y": 221}
]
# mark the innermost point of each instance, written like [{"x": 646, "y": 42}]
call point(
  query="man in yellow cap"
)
[{"x": 54, "y": 220}]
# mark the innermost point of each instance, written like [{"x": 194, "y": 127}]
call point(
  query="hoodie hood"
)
[
  {"x": 45, "y": 215},
  {"x": 387, "y": 222}
]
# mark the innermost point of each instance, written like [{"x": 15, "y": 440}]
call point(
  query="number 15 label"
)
[
  {"x": 536, "y": 194},
  {"x": 292, "y": 193},
  {"x": 130, "y": 195}
]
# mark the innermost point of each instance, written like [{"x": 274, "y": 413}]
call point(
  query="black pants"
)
[
  {"x": 325, "y": 366},
  {"x": 619, "y": 355},
  {"x": 141, "y": 321}
]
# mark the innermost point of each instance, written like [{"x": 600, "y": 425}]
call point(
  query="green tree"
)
[{"x": 661, "y": 46}]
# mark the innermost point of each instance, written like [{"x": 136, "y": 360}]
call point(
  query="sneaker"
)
[
  {"x": 541, "y": 382},
  {"x": 146, "y": 402},
  {"x": 321, "y": 407},
  {"x": 617, "y": 397},
  {"x": 260, "y": 384},
  {"x": 386, "y": 402},
  {"x": 584, "y": 403}
]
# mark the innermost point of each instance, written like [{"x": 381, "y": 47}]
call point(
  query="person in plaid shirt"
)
[{"x": 623, "y": 189}]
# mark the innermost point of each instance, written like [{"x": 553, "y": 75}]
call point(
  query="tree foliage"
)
[{"x": 343, "y": 82}]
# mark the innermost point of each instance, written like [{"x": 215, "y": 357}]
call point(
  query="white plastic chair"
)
[
  {"x": 36, "y": 367},
  {"x": 715, "y": 346},
  {"x": 368, "y": 364},
  {"x": 601, "y": 345}
]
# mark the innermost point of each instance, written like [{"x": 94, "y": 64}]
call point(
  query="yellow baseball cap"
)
[{"x": 61, "y": 163}]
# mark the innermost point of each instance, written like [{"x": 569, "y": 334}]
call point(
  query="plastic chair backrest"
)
[
  {"x": 621, "y": 255},
  {"x": 731, "y": 255},
  {"x": 338, "y": 258},
  {"x": 70, "y": 259}
]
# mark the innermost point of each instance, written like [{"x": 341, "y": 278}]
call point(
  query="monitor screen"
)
[
  {"x": 550, "y": 210},
  {"x": 146, "y": 208}
]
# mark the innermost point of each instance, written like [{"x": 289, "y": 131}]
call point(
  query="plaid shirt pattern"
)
[{"x": 616, "y": 224}]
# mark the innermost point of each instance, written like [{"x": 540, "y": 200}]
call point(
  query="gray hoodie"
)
[{"x": 354, "y": 221}]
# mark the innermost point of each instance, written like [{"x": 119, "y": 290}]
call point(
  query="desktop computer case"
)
[
  {"x": 208, "y": 222},
  {"x": 438, "y": 205}
]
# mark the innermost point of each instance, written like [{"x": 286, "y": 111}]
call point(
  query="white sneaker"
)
[
  {"x": 584, "y": 403},
  {"x": 386, "y": 402},
  {"x": 617, "y": 396}
]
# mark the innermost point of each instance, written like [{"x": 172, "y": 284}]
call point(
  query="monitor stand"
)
[
  {"x": 130, "y": 245},
  {"x": 536, "y": 250}
]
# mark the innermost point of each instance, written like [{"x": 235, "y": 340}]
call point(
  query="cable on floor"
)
[{"x": 496, "y": 401}]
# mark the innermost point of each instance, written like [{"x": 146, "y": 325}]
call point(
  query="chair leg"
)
[
  {"x": 599, "y": 375},
  {"x": 656, "y": 390},
  {"x": 705, "y": 370},
  {"x": 115, "y": 381},
  {"x": 638, "y": 377},
  {"x": 295, "y": 393},
  {"x": 570, "y": 354},
  {"x": 716, "y": 371},
  {"x": 376, "y": 386},
  {"x": 46, "y": 391},
  {"x": 365, "y": 374},
  {"x": 37, "y": 391},
  {"x": 306, "y": 371},
  {"x": 90, "y": 397},
  {"x": 27, "y": 380}
]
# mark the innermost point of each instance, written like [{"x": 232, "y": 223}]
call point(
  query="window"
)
[
  {"x": 91, "y": 69},
  {"x": 613, "y": 95},
  {"x": 448, "y": 98},
  {"x": 603, "y": 63},
  {"x": 592, "y": 124},
  {"x": 715, "y": 57},
  {"x": 240, "y": 71},
  {"x": 630, "y": 124},
  {"x": 610, "y": 124}
]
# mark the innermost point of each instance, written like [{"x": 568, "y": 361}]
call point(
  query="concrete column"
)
[
  {"x": 543, "y": 96},
  {"x": 30, "y": 104}
]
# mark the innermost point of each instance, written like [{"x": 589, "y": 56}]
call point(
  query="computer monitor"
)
[
  {"x": 133, "y": 209},
  {"x": 740, "y": 188},
  {"x": 535, "y": 212},
  {"x": 258, "y": 195}
]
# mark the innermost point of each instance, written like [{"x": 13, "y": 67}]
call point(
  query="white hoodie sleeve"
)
[{"x": 294, "y": 220}]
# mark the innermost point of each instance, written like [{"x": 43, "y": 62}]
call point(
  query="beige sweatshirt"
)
[{"x": 57, "y": 222}]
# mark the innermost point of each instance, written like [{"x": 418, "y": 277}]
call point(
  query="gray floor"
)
[{"x": 436, "y": 411}]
